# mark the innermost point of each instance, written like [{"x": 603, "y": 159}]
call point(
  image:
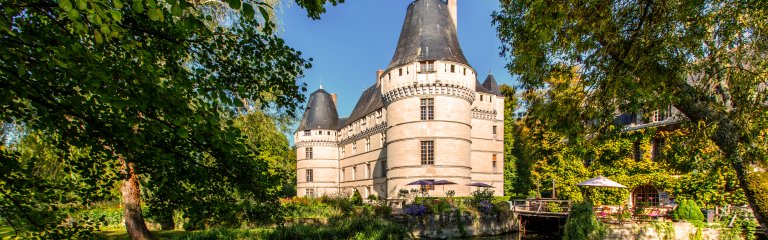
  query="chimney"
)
[
  {"x": 378, "y": 77},
  {"x": 333, "y": 96},
  {"x": 452, "y": 10}
]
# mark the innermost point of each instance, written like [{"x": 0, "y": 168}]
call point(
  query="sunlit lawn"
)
[{"x": 121, "y": 234}]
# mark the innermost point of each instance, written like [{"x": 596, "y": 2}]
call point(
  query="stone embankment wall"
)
[
  {"x": 655, "y": 231},
  {"x": 450, "y": 225}
]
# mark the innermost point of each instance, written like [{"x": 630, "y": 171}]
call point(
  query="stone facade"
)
[{"x": 425, "y": 117}]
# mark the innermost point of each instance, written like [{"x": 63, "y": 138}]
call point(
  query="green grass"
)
[{"x": 259, "y": 233}]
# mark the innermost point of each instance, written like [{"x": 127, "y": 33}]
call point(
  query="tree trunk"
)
[
  {"x": 134, "y": 221},
  {"x": 728, "y": 136}
]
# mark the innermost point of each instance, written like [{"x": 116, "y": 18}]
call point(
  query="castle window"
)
[
  {"x": 647, "y": 196},
  {"x": 453, "y": 68},
  {"x": 308, "y": 152},
  {"x": 367, "y": 170},
  {"x": 465, "y": 71},
  {"x": 427, "y": 109},
  {"x": 636, "y": 152},
  {"x": 493, "y": 164},
  {"x": 310, "y": 175},
  {"x": 383, "y": 139},
  {"x": 658, "y": 146},
  {"x": 309, "y": 192},
  {"x": 427, "y": 152},
  {"x": 425, "y": 188},
  {"x": 494, "y": 130},
  {"x": 427, "y": 66},
  {"x": 342, "y": 151},
  {"x": 400, "y": 71},
  {"x": 481, "y": 97},
  {"x": 342, "y": 174},
  {"x": 354, "y": 172},
  {"x": 354, "y": 148},
  {"x": 307, "y": 132},
  {"x": 368, "y": 144}
]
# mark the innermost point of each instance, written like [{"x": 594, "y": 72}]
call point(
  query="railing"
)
[{"x": 542, "y": 206}]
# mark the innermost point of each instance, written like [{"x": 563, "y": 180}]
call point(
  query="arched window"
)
[{"x": 646, "y": 195}]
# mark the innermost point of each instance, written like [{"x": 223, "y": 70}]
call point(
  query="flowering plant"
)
[
  {"x": 415, "y": 210},
  {"x": 485, "y": 206}
]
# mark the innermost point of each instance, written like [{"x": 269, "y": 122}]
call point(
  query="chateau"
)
[{"x": 426, "y": 117}]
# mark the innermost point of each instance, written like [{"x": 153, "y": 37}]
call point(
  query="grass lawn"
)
[{"x": 121, "y": 234}]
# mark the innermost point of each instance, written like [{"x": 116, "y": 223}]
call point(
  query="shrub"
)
[
  {"x": 582, "y": 224},
  {"x": 403, "y": 193},
  {"x": 688, "y": 211},
  {"x": 450, "y": 193},
  {"x": 482, "y": 194},
  {"x": 485, "y": 206},
  {"x": 415, "y": 210},
  {"x": 357, "y": 199},
  {"x": 372, "y": 197}
]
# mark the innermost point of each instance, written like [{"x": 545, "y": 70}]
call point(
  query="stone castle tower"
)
[{"x": 427, "y": 117}]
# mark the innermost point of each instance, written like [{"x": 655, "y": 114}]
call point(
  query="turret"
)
[
  {"x": 316, "y": 146},
  {"x": 428, "y": 90}
]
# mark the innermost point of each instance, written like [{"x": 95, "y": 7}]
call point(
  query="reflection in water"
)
[{"x": 519, "y": 236}]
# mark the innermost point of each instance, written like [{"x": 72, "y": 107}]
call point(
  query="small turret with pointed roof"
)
[
  {"x": 321, "y": 112},
  {"x": 491, "y": 85}
]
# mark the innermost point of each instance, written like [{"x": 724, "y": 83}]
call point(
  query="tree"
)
[
  {"x": 705, "y": 58},
  {"x": 145, "y": 87}
]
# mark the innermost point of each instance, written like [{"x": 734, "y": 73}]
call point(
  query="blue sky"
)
[{"x": 358, "y": 37}]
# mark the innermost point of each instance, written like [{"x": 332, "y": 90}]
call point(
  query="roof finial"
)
[{"x": 321, "y": 84}]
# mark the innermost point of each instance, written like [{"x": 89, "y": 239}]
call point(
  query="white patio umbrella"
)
[{"x": 601, "y": 182}]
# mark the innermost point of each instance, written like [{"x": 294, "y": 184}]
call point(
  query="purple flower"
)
[
  {"x": 415, "y": 210},
  {"x": 485, "y": 206}
]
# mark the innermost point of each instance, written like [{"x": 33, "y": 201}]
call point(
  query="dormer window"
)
[
  {"x": 453, "y": 68},
  {"x": 307, "y": 132},
  {"x": 427, "y": 66}
]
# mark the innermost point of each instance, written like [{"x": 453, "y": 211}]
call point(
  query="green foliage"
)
[
  {"x": 460, "y": 222},
  {"x": 482, "y": 194},
  {"x": 582, "y": 224},
  {"x": 688, "y": 210},
  {"x": 356, "y": 198},
  {"x": 356, "y": 227},
  {"x": 310, "y": 208},
  {"x": 152, "y": 84},
  {"x": 636, "y": 59},
  {"x": 665, "y": 230},
  {"x": 372, "y": 198}
]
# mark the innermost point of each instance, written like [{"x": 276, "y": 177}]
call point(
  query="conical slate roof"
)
[
  {"x": 321, "y": 112},
  {"x": 370, "y": 101},
  {"x": 491, "y": 85},
  {"x": 428, "y": 34}
]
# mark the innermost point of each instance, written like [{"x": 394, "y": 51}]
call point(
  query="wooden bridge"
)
[{"x": 549, "y": 208}]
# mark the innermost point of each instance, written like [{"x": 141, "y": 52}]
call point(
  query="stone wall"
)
[{"x": 447, "y": 226}]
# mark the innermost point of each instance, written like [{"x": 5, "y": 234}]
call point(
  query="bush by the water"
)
[
  {"x": 583, "y": 225},
  {"x": 688, "y": 210}
]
